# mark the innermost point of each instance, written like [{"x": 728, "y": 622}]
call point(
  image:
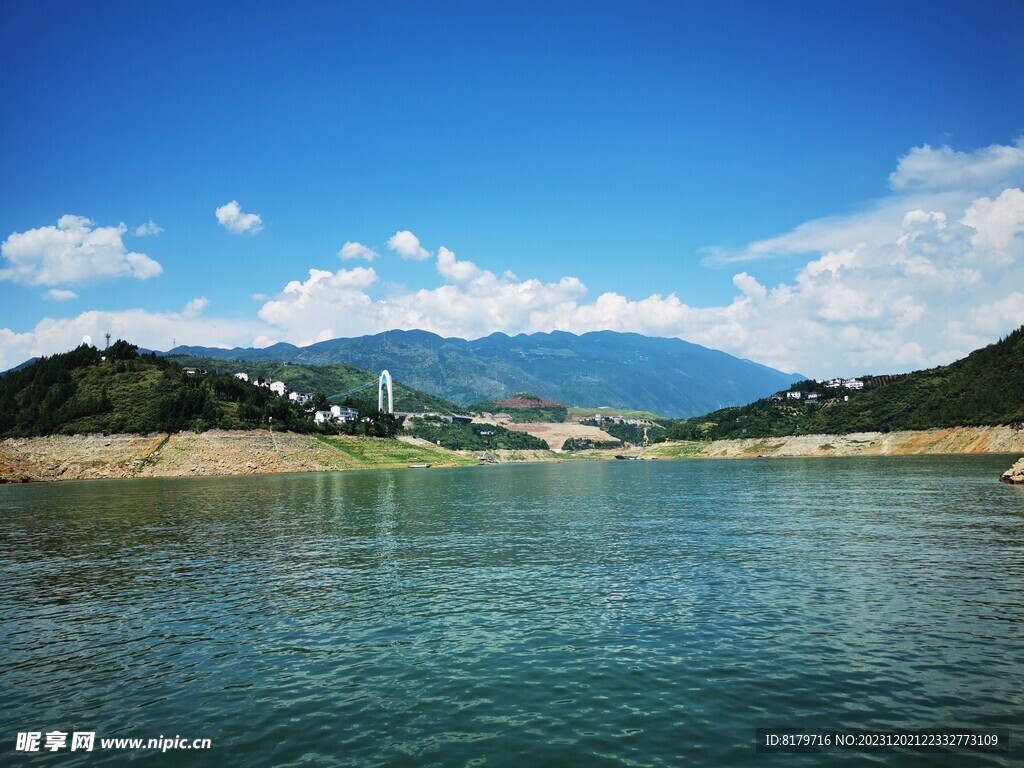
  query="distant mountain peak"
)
[{"x": 668, "y": 376}]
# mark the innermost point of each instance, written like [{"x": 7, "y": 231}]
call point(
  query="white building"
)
[
  {"x": 299, "y": 397},
  {"x": 242, "y": 376},
  {"x": 848, "y": 383},
  {"x": 794, "y": 395},
  {"x": 341, "y": 413},
  {"x": 337, "y": 413},
  {"x": 278, "y": 387}
]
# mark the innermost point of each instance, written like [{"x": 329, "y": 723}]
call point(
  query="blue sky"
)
[{"x": 737, "y": 174}]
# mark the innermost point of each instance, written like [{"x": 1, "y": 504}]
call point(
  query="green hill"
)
[
  {"x": 524, "y": 408},
  {"x": 334, "y": 379},
  {"x": 456, "y": 436},
  {"x": 119, "y": 391},
  {"x": 985, "y": 388},
  {"x": 621, "y": 370}
]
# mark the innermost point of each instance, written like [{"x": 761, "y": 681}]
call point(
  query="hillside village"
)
[
  {"x": 481, "y": 431},
  {"x": 522, "y": 420},
  {"x": 338, "y": 414}
]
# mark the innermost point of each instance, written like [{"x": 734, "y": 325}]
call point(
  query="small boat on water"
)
[
  {"x": 627, "y": 458},
  {"x": 419, "y": 466}
]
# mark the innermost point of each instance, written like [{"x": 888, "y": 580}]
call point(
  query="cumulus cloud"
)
[
  {"x": 749, "y": 286},
  {"x": 997, "y": 225},
  {"x": 927, "y": 179},
  {"x": 471, "y": 302},
  {"x": 313, "y": 309},
  {"x": 74, "y": 252},
  {"x": 60, "y": 294},
  {"x": 148, "y": 229},
  {"x": 407, "y": 245},
  {"x": 195, "y": 308},
  {"x": 153, "y": 330},
  {"x": 999, "y": 316},
  {"x": 928, "y": 167},
  {"x": 230, "y": 217},
  {"x": 455, "y": 271},
  {"x": 352, "y": 250}
]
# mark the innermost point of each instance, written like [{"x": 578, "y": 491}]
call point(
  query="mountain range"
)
[{"x": 671, "y": 377}]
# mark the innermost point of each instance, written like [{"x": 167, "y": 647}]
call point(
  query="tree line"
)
[{"x": 119, "y": 391}]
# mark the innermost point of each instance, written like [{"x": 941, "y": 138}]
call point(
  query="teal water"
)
[{"x": 616, "y": 613}]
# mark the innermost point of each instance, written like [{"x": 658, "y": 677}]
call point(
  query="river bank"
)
[
  {"x": 217, "y": 452},
  {"x": 950, "y": 440},
  {"x": 220, "y": 452}
]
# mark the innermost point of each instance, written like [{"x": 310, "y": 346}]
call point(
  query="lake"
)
[{"x": 602, "y": 613}]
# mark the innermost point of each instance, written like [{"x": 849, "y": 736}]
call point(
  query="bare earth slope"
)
[
  {"x": 217, "y": 452},
  {"x": 221, "y": 452},
  {"x": 969, "y": 440},
  {"x": 556, "y": 434}
]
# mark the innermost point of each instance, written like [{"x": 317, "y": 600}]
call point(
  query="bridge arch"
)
[{"x": 385, "y": 383}]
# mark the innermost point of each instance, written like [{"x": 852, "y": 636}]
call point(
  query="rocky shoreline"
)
[
  {"x": 1014, "y": 474},
  {"x": 220, "y": 452}
]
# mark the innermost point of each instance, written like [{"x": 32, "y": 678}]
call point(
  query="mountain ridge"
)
[{"x": 669, "y": 376}]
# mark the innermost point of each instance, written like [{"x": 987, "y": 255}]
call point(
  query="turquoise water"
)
[{"x": 616, "y": 613}]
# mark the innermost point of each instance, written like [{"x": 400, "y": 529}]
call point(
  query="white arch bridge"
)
[{"x": 383, "y": 387}]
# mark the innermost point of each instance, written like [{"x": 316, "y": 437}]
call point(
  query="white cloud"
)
[
  {"x": 60, "y": 294},
  {"x": 407, "y": 245},
  {"x": 153, "y": 330},
  {"x": 999, "y": 316},
  {"x": 308, "y": 309},
  {"x": 928, "y": 167},
  {"x": 455, "y": 271},
  {"x": 749, "y": 286},
  {"x": 352, "y": 250},
  {"x": 148, "y": 229},
  {"x": 261, "y": 342},
  {"x": 472, "y": 302},
  {"x": 230, "y": 217},
  {"x": 927, "y": 179},
  {"x": 195, "y": 308},
  {"x": 75, "y": 252},
  {"x": 997, "y": 224},
  {"x": 878, "y": 224}
]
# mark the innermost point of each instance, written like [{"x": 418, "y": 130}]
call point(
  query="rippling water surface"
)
[{"x": 617, "y": 613}]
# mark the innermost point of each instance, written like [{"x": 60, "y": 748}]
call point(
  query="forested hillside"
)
[
  {"x": 119, "y": 391},
  {"x": 667, "y": 376},
  {"x": 985, "y": 388},
  {"x": 332, "y": 379}
]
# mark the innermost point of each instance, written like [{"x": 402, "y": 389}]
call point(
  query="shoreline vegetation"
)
[
  {"x": 114, "y": 413},
  {"x": 251, "y": 452}
]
